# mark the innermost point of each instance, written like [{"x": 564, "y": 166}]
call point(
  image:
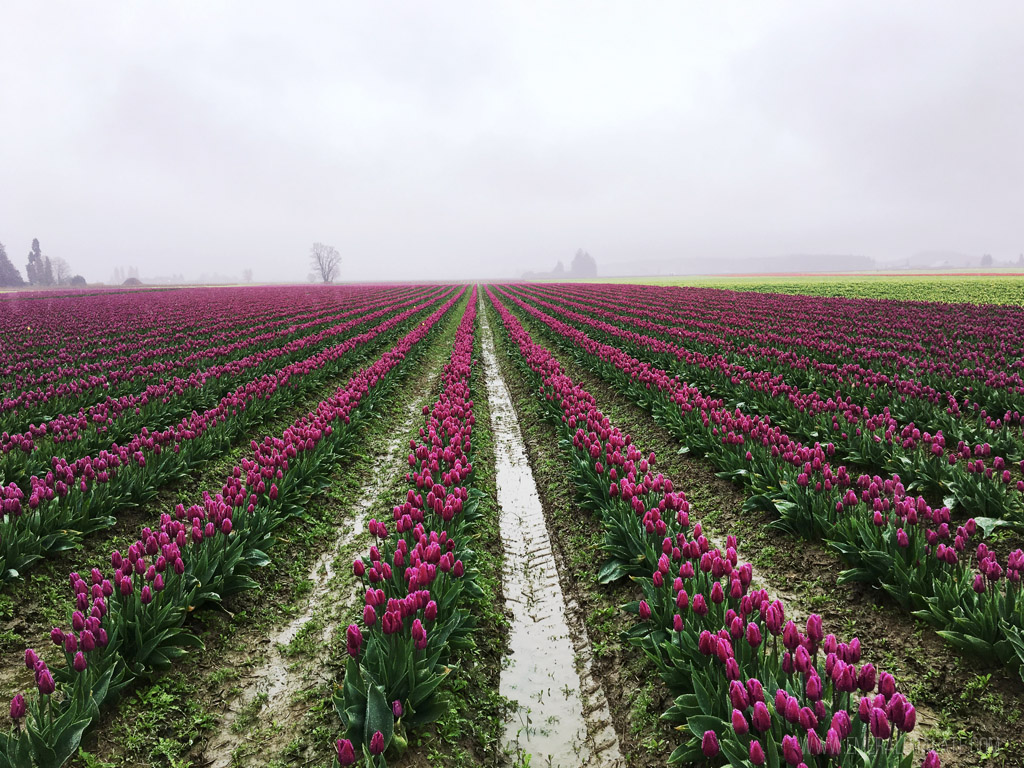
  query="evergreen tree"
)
[
  {"x": 9, "y": 274},
  {"x": 35, "y": 269}
]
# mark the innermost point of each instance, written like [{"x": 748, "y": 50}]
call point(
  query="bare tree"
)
[
  {"x": 325, "y": 261},
  {"x": 247, "y": 275},
  {"x": 62, "y": 273}
]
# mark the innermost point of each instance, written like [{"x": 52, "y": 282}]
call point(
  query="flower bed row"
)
[
  {"x": 115, "y": 419},
  {"x": 751, "y": 687},
  {"x": 928, "y": 565},
  {"x": 163, "y": 344},
  {"x": 131, "y": 623},
  {"x": 108, "y": 391},
  {"x": 417, "y": 573},
  {"x": 77, "y": 498},
  {"x": 960, "y": 475},
  {"x": 980, "y": 346},
  {"x": 943, "y": 403}
]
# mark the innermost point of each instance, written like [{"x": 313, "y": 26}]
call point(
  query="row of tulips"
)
[
  {"x": 76, "y": 498},
  {"x": 979, "y": 344},
  {"x": 752, "y": 689},
  {"x": 415, "y": 578},
  {"x": 935, "y": 408},
  {"x": 131, "y": 622},
  {"x": 117, "y": 418},
  {"x": 889, "y": 537},
  {"x": 155, "y": 346},
  {"x": 34, "y": 406},
  {"x": 961, "y": 475},
  {"x": 62, "y": 332}
]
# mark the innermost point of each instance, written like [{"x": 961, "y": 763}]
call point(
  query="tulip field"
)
[{"x": 259, "y": 526}]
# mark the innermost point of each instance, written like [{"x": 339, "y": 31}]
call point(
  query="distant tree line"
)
[
  {"x": 41, "y": 270},
  {"x": 583, "y": 266}
]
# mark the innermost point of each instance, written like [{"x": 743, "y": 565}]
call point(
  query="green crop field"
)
[{"x": 948, "y": 287}]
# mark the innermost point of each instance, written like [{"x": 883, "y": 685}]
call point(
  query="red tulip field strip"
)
[
  {"x": 117, "y": 418},
  {"x": 415, "y": 578},
  {"x": 751, "y": 688},
  {"x": 16, "y": 413},
  {"x": 944, "y": 575},
  {"x": 132, "y": 622},
  {"x": 876, "y": 441},
  {"x": 78, "y": 497}
]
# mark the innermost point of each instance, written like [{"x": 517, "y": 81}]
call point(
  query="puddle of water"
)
[
  {"x": 281, "y": 677},
  {"x": 562, "y": 722}
]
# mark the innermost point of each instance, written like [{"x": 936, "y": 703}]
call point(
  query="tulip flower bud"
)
[
  {"x": 377, "y": 743},
  {"x": 44, "y": 681},
  {"x": 645, "y": 611},
  {"x": 18, "y": 707},
  {"x": 709, "y": 744},
  {"x": 396, "y": 708},
  {"x": 761, "y": 719},
  {"x": 346, "y": 753},
  {"x": 791, "y": 751},
  {"x": 879, "y": 723},
  {"x": 739, "y": 723},
  {"x": 833, "y": 744},
  {"x": 757, "y": 756},
  {"x": 866, "y": 678},
  {"x": 79, "y": 663},
  {"x": 355, "y": 640}
]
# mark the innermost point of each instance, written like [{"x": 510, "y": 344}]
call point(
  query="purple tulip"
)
[
  {"x": 738, "y": 695},
  {"x": 814, "y": 630},
  {"x": 866, "y": 678},
  {"x": 880, "y": 728},
  {"x": 369, "y": 616},
  {"x": 761, "y": 719},
  {"x": 814, "y": 745},
  {"x": 931, "y": 760},
  {"x": 377, "y": 743},
  {"x": 833, "y": 744},
  {"x": 791, "y": 751},
  {"x": 909, "y": 719},
  {"x": 44, "y": 680},
  {"x": 739, "y": 723},
  {"x": 355, "y": 640},
  {"x": 79, "y": 663},
  {"x": 31, "y": 658},
  {"x": 346, "y": 753},
  {"x": 396, "y": 708},
  {"x": 757, "y": 756},
  {"x": 17, "y": 707},
  {"x": 709, "y": 744}
]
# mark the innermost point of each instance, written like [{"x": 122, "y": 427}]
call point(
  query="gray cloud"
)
[{"x": 466, "y": 139}]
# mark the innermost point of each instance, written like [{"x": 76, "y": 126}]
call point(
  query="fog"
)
[{"x": 463, "y": 140}]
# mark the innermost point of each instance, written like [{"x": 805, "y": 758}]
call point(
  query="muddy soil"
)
[
  {"x": 559, "y": 722},
  {"x": 636, "y": 697}
]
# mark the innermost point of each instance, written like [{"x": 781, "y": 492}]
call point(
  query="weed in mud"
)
[{"x": 248, "y": 714}]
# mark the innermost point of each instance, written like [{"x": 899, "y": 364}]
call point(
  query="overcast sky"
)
[{"x": 447, "y": 140}]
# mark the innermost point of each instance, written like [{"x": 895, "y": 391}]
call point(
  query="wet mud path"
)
[{"x": 563, "y": 718}]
